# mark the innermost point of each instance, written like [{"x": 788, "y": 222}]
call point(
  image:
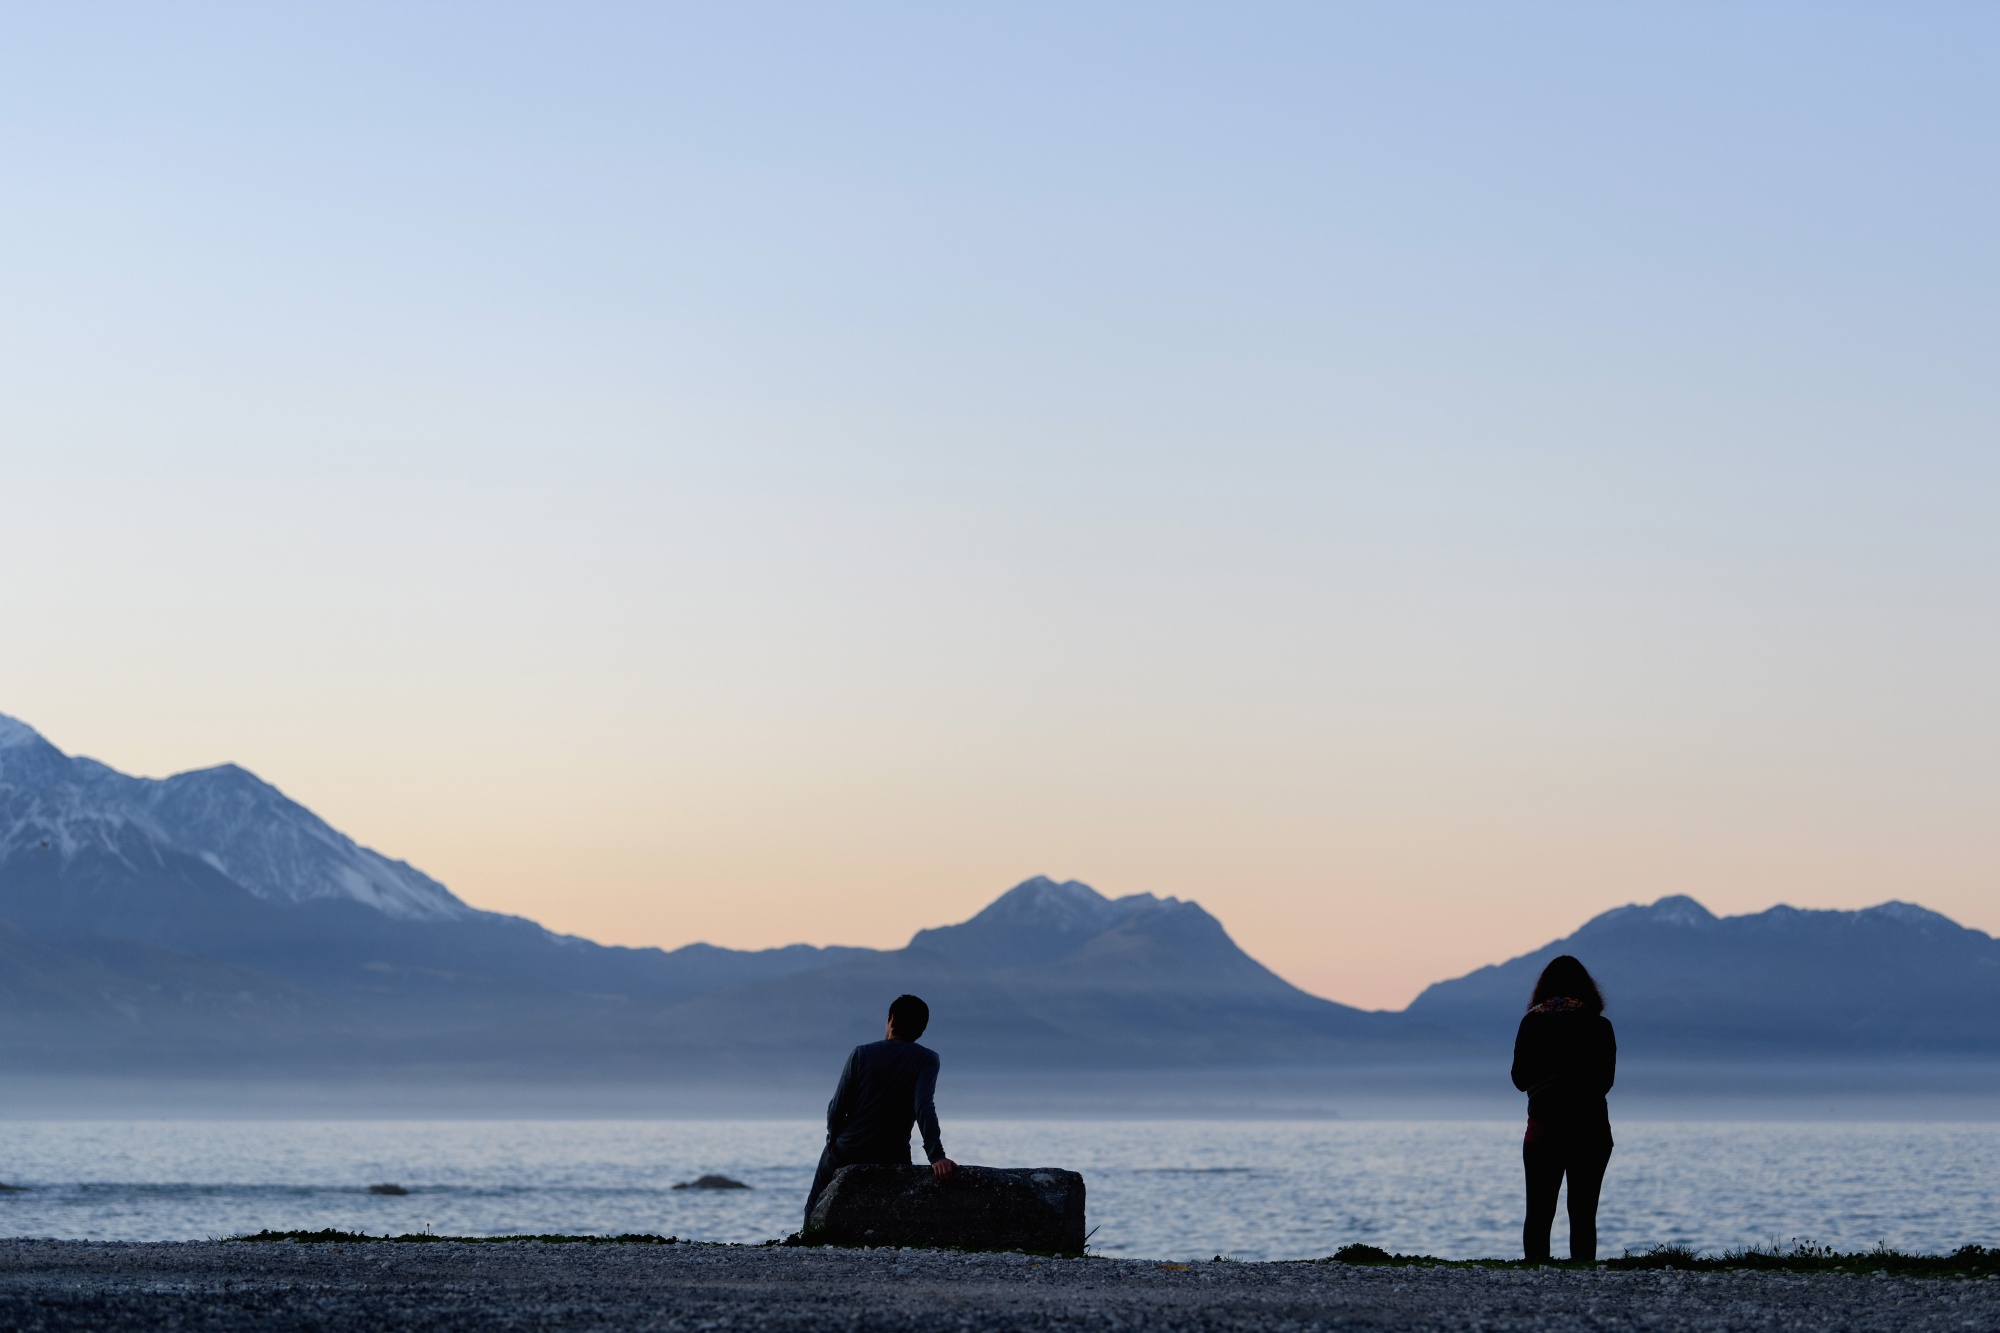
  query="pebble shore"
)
[{"x": 274, "y": 1288}]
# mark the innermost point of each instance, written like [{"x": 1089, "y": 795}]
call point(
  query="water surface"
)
[{"x": 1161, "y": 1189}]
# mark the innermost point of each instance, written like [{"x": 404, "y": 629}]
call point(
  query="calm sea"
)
[{"x": 1251, "y": 1190}]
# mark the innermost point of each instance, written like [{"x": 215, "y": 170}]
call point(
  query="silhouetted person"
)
[
  {"x": 1565, "y": 1059},
  {"x": 887, "y": 1087}
]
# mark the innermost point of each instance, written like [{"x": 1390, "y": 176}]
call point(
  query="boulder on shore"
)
[{"x": 1036, "y": 1209}]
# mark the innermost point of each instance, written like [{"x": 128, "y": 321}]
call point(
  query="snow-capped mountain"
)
[
  {"x": 243, "y": 827},
  {"x": 221, "y": 868}
]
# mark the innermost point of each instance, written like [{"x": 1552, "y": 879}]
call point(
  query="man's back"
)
[{"x": 885, "y": 1089}]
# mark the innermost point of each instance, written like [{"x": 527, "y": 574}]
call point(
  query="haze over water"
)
[{"x": 1157, "y": 1189}]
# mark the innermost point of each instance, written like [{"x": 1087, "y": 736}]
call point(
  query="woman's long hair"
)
[{"x": 1567, "y": 978}]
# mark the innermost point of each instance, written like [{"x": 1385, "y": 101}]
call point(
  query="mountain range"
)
[
  {"x": 1894, "y": 978},
  {"x": 207, "y": 924}
]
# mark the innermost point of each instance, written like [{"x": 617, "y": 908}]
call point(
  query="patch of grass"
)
[
  {"x": 1358, "y": 1253},
  {"x": 1375, "y": 1256},
  {"x": 329, "y": 1236},
  {"x": 1805, "y": 1257},
  {"x": 1661, "y": 1256},
  {"x": 1798, "y": 1257}
]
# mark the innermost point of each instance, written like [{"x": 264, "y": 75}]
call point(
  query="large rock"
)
[{"x": 1037, "y": 1209}]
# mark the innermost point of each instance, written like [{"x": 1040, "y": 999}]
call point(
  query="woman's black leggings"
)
[{"x": 1548, "y": 1160}]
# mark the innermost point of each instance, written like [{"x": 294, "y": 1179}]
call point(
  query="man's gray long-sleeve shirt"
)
[{"x": 886, "y": 1087}]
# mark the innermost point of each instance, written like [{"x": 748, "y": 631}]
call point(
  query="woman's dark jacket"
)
[{"x": 1565, "y": 1059}]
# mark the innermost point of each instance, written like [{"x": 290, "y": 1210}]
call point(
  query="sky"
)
[{"x": 1407, "y": 477}]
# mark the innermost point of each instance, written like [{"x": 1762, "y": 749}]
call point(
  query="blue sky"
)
[{"x": 1407, "y": 476}]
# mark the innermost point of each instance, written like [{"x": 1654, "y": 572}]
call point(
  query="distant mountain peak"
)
[
  {"x": 1910, "y": 914},
  {"x": 226, "y": 816},
  {"x": 15, "y": 732},
  {"x": 280, "y": 850},
  {"x": 1676, "y": 909},
  {"x": 1038, "y": 920},
  {"x": 1067, "y": 904}
]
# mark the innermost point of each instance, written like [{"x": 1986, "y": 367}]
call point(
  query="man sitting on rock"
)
[{"x": 887, "y": 1087}]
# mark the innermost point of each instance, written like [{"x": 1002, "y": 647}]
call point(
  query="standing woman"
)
[{"x": 1565, "y": 1058}]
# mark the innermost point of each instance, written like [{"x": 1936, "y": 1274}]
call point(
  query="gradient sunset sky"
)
[{"x": 1407, "y": 476}]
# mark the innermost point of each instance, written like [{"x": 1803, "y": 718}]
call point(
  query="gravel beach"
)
[{"x": 57, "y": 1285}]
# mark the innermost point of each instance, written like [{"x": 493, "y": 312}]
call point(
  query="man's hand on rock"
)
[{"x": 943, "y": 1167}]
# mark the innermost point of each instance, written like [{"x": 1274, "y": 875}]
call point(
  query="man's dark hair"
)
[
  {"x": 1566, "y": 977},
  {"x": 909, "y": 1016}
]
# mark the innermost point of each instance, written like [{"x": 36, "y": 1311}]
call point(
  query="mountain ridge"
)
[
  {"x": 1677, "y": 978},
  {"x": 219, "y": 870},
  {"x": 208, "y": 917}
]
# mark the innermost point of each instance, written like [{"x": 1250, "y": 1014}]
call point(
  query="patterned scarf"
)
[{"x": 1557, "y": 1004}]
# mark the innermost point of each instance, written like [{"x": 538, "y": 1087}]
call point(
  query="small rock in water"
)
[
  {"x": 387, "y": 1189},
  {"x": 711, "y": 1183}
]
